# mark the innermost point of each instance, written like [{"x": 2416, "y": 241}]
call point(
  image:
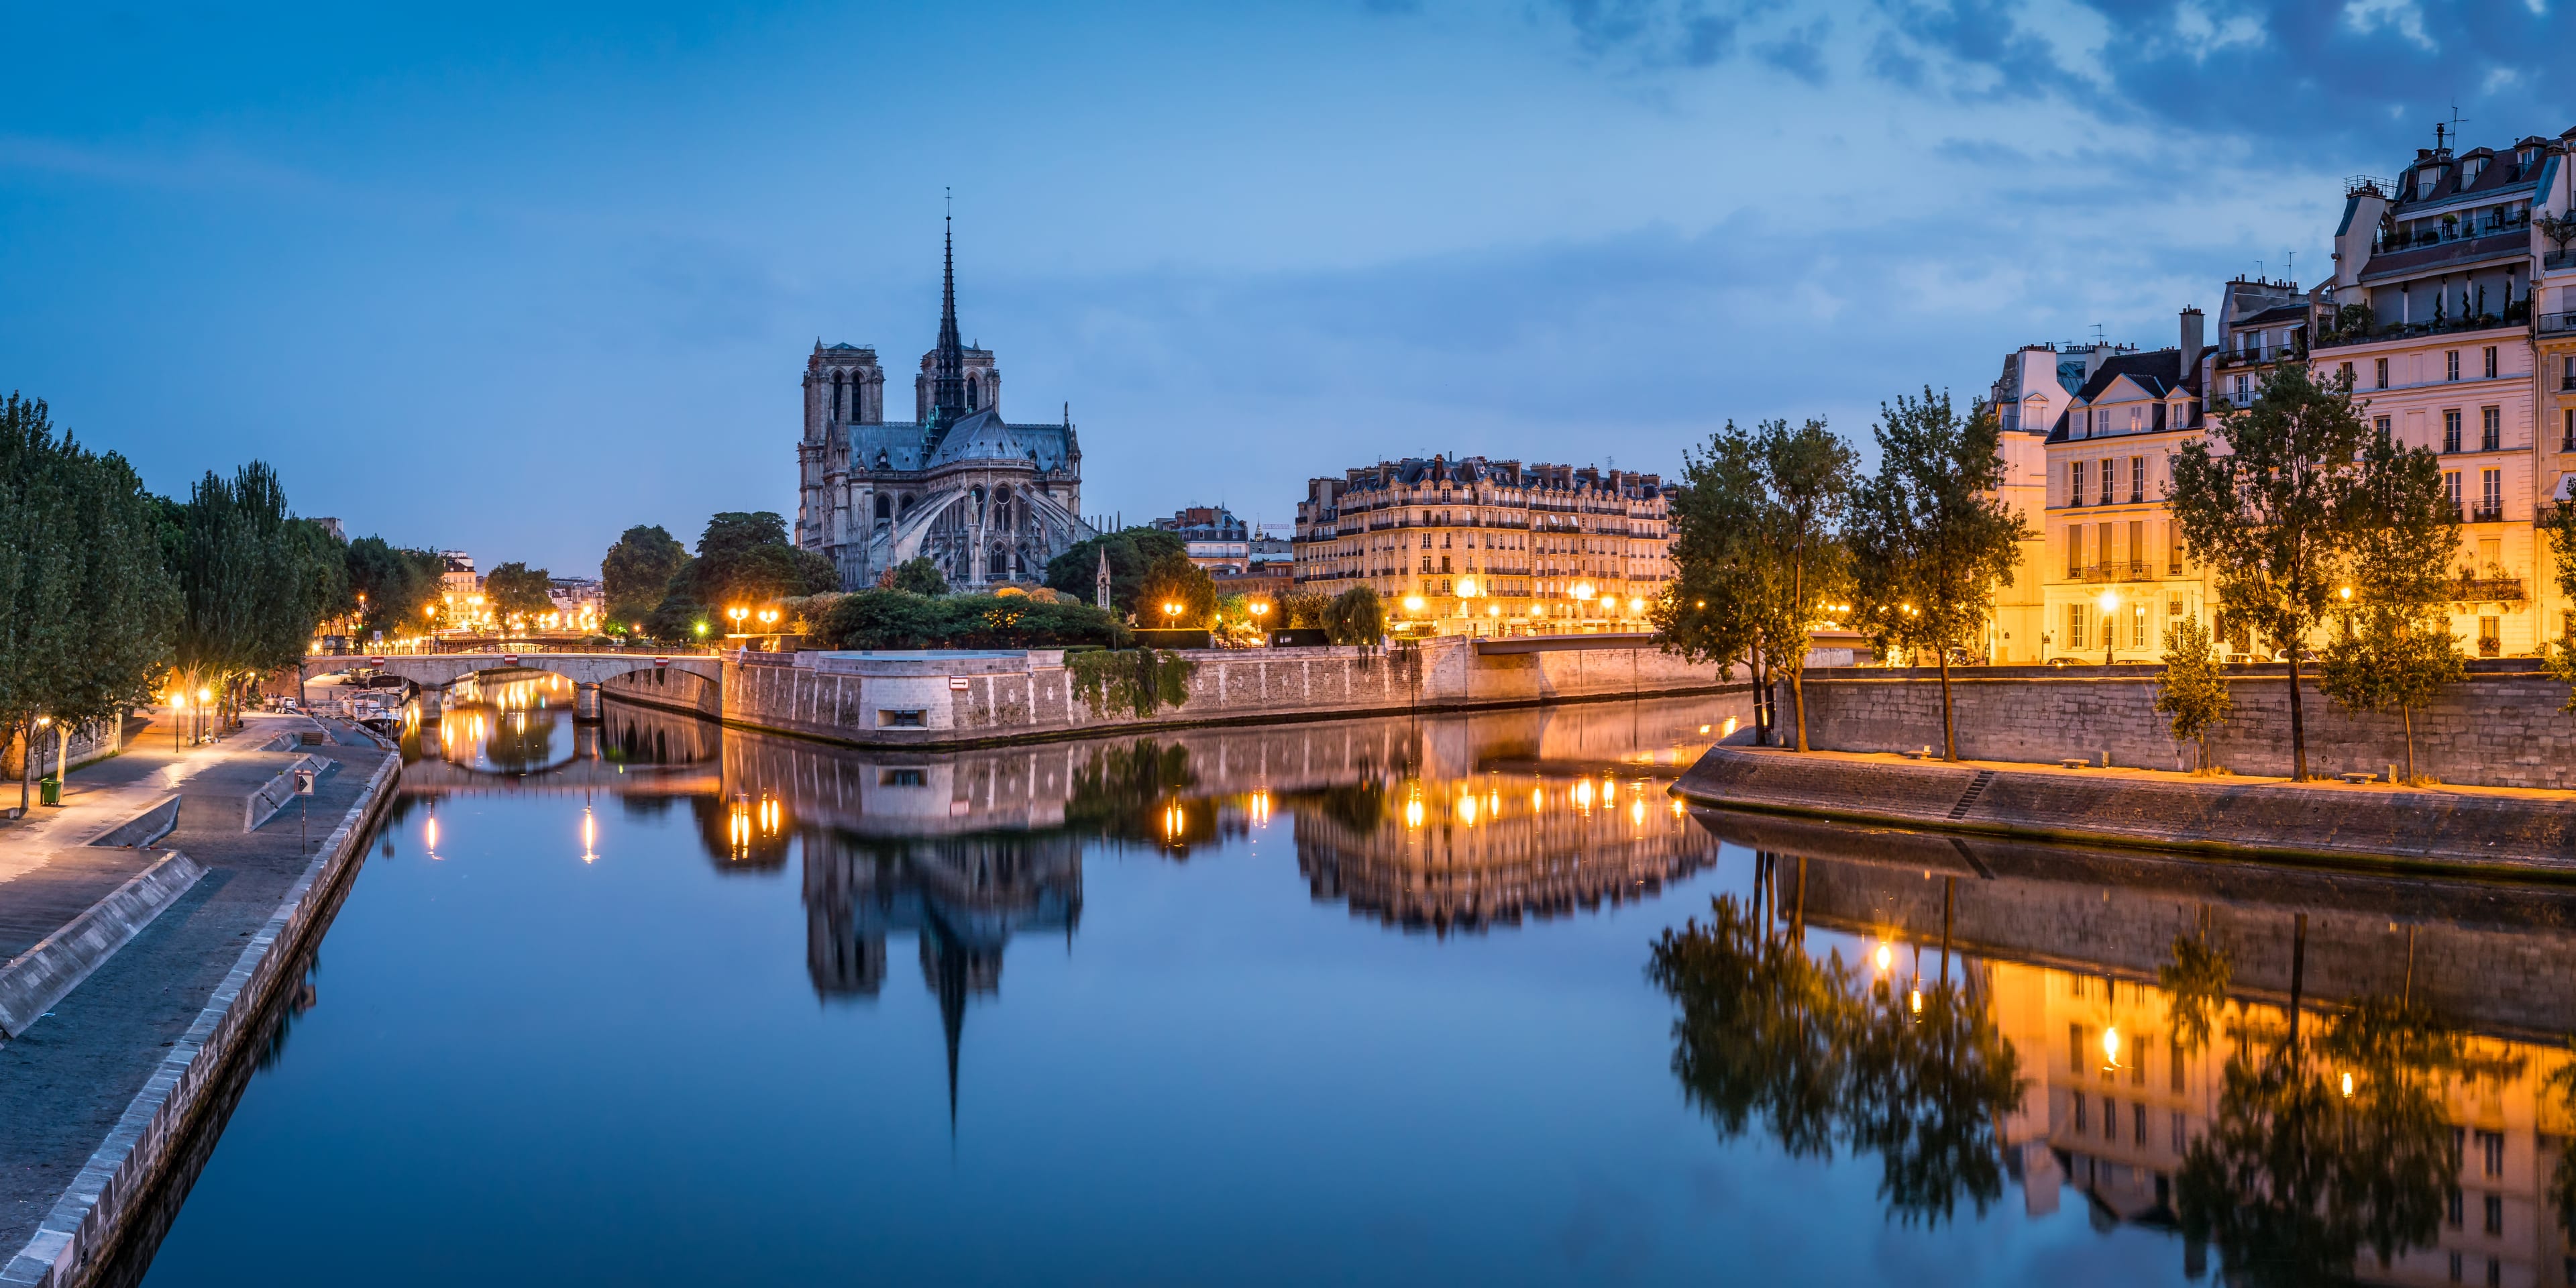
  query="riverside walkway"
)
[{"x": 95, "y": 1090}]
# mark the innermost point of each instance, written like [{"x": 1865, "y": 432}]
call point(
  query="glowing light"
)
[
  {"x": 1467, "y": 810},
  {"x": 1609, "y": 791},
  {"x": 2347, "y": 1078},
  {"x": 589, "y": 836},
  {"x": 1413, "y": 603},
  {"x": 1466, "y": 587},
  {"x": 2111, "y": 1046},
  {"x": 1729, "y": 728},
  {"x": 1678, "y": 808},
  {"x": 1413, "y": 813},
  {"x": 1637, "y": 810},
  {"x": 1259, "y": 807},
  {"x": 1538, "y": 800},
  {"x": 1583, "y": 794},
  {"x": 1886, "y": 958},
  {"x": 1918, "y": 1001}
]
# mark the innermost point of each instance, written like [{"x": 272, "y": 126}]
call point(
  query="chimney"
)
[{"x": 2191, "y": 341}]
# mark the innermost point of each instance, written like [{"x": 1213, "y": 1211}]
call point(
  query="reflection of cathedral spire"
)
[{"x": 945, "y": 962}]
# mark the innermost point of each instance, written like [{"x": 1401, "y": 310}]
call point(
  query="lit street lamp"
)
[{"x": 2110, "y": 602}]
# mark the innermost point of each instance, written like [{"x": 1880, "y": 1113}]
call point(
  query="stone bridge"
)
[{"x": 439, "y": 670}]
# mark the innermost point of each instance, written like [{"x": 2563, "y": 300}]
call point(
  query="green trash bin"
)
[{"x": 49, "y": 790}]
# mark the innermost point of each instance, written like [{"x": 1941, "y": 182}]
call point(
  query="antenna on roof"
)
[
  {"x": 2097, "y": 333},
  {"x": 2457, "y": 121},
  {"x": 2292, "y": 272}
]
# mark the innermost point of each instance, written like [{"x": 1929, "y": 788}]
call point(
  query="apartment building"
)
[
  {"x": 2429, "y": 314},
  {"x": 2112, "y": 571},
  {"x": 2038, "y": 384},
  {"x": 1477, "y": 547}
]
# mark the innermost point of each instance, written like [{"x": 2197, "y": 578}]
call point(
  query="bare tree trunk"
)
[
  {"x": 2298, "y": 723},
  {"x": 2409, "y": 714},
  {"x": 26, "y": 763},
  {"x": 1949, "y": 732},
  {"x": 1798, "y": 703},
  {"x": 1761, "y": 700}
]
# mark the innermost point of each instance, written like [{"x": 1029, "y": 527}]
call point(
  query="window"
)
[
  {"x": 2451, "y": 430},
  {"x": 2451, "y": 365},
  {"x": 2491, "y": 493},
  {"x": 2138, "y": 1123},
  {"x": 2241, "y": 397},
  {"x": 2106, "y": 482},
  {"x": 2075, "y": 482},
  {"x": 2567, "y": 436},
  {"x": 2137, "y": 419},
  {"x": 2138, "y": 639},
  {"x": 2490, "y": 428},
  {"x": 2079, "y": 1118},
  {"x": 2345, "y": 371},
  {"x": 2491, "y": 564},
  {"x": 2490, "y": 637},
  {"x": 2491, "y": 362},
  {"x": 2110, "y": 1119},
  {"x": 2379, "y": 371},
  {"x": 2137, "y": 478},
  {"x": 2103, "y": 531},
  {"x": 2178, "y": 1143},
  {"x": 2075, "y": 640},
  {"x": 2451, "y": 487},
  {"x": 2491, "y": 1152},
  {"x": 2494, "y": 1213},
  {"x": 2381, "y": 424},
  {"x": 2074, "y": 551},
  {"x": 2452, "y": 1214},
  {"x": 2567, "y": 373}
]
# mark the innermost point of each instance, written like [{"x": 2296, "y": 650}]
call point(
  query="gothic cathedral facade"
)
[{"x": 988, "y": 501}]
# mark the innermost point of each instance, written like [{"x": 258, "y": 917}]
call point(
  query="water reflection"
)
[{"x": 2250, "y": 1060}]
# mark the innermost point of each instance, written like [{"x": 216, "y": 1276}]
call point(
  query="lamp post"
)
[{"x": 2110, "y": 602}]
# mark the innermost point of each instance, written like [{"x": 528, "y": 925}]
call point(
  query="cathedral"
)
[{"x": 990, "y": 502}]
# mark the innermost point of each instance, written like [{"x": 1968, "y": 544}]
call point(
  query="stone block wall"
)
[{"x": 2499, "y": 727}]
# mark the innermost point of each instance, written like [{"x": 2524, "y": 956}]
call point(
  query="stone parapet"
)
[{"x": 2500, "y": 727}]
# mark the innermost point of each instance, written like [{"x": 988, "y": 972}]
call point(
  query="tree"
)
[
  {"x": 895, "y": 619},
  {"x": 2192, "y": 689},
  {"x": 1173, "y": 581},
  {"x": 744, "y": 558},
  {"x": 1799, "y": 560},
  {"x": 397, "y": 583},
  {"x": 86, "y": 608},
  {"x": 915, "y": 576},
  {"x": 2558, "y": 525},
  {"x": 1707, "y": 611},
  {"x": 2268, "y": 515},
  {"x": 517, "y": 592},
  {"x": 637, "y": 571},
  {"x": 1131, "y": 551},
  {"x": 2393, "y": 647},
  {"x": 1356, "y": 616},
  {"x": 1930, "y": 538},
  {"x": 250, "y": 578},
  {"x": 1304, "y": 609}
]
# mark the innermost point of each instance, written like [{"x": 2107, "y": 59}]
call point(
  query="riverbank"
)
[
  {"x": 101, "y": 1094},
  {"x": 2520, "y": 833}
]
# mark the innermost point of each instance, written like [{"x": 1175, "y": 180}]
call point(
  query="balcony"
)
[
  {"x": 2488, "y": 513},
  {"x": 2557, "y": 323},
  {"x": 2559, "y": 259},
  {"x": 2131, "y": 570},
  {"x": 2482, "y": 590}
]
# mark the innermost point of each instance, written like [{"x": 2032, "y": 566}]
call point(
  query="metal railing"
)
[
  {"x": 2117, "y": 570},
  {"x": 2479, "y": 590},
  {"x": 2487, "y": 514}
]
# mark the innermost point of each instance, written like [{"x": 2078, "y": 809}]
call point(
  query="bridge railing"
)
[{"x": 443, "y": 647}]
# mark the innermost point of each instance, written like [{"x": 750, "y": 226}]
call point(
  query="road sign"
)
[
  {"x": 661, "y": 662},
  {"x": 304, "y": 782},
  {"x": 957, "y": 682},
  {"x": 510, "y": 659},
  {"x": 375, "y": 661}
]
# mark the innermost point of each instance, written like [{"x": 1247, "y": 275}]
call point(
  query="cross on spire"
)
[{"x": 948, "y": 366}]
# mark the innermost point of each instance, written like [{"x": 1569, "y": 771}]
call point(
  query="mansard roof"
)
[
  {"x": 2293, "y": 311},
  {"x": 2157, "y": 374}
]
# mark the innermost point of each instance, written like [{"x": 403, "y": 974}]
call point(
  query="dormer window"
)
[
  {"x": 2427, "y": 179},
  {"x": 2471, "y": 169}
]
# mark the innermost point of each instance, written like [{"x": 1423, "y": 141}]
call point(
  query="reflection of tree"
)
[
  {"x": 1359, "y": 806},
  {"x": 1823, "y": 1057},
  {"x": 1133, "y": 793},
  {"x": 521, "y": 742},
  {"x": 2195, "y": 984},
  {"x": 2562, "y": 1180},
  {"x": 2297, "y": 1174}
]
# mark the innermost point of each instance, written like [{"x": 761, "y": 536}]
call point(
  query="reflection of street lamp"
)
[{"x": 2110, "y": 602}]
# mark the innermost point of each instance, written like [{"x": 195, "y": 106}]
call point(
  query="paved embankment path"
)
[
  {"x": 2484, "y": 831},
  {"x": 71, "y": 1079}
]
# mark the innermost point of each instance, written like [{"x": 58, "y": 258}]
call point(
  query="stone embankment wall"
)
[
  {"x": 966, "y": 698},
  {"x": 2366, "y": 827},
  {"x": 2501, "y": 727},
  {"x": 669, "y": 688}
]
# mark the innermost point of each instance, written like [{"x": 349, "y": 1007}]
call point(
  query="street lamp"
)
[
  {"x": 2110, "y": 602},
  {"x": 737, "y": 613}
]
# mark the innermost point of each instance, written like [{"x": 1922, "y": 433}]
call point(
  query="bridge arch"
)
[{"x": 439, "y": 670}]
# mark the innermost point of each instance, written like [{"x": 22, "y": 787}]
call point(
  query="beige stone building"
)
[{"x": 1477, "y": 547}]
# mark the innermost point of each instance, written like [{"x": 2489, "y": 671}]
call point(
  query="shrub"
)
[
  {"x": 895, "y": 619},
  {"x": 1355, "y": 617},
  {"x": 1140, "y": 681}
]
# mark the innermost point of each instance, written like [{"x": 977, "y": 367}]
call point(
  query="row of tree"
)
[
  {"x": 2312, "y": 524},
  {"x": 655, "y": 587},
  {"x": 109, "y": 594},
  {"x": 1775, "y": 534}
]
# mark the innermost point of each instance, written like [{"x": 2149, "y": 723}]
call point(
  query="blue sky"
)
[{"x": 512, "y": 278}]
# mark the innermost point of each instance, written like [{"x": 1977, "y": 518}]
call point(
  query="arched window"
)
[
  {"x": 837, "y": 378},
  {"x": 904, "y": 506},
  {"x": 974, "y": 392},
  {"x": 885, "y": 507}
]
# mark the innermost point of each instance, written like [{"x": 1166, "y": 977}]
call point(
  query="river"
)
[{"x": 1457, "y": 999}]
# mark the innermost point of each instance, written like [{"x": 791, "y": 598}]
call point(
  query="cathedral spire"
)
[{"x": 948, "y": 370}]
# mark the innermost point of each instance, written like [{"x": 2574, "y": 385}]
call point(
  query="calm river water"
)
[{"x": 1363, "y": 1002}]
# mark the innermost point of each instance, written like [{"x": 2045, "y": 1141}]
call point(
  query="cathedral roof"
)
[{"x": 976, "y": 436}]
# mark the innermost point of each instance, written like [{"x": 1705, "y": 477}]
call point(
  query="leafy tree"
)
[
  {"x": 1132, "y": 553},
  {"x": 1174, "y": 580},
  {"x": 1760, "y": 521},
  {"x": 86, "y": 609},
  {"x": 744, "y": 558},
  {"x": 679, "y": 619},
  {"x": 1930, "y": 538},
  {"x": 2393, "y": 646},
  {"x": 250, "y": 586},
  {"x": 637, "y": 571},
  {"x": 2269, "y": 515},
  {"x": 916, "y": 576},
  {"x": 895, "y": 619},
  {"x": 1356, "y": 616},
  {"x": 2192, "y": 689},
  {"x": 2558, "y": 525},
  {"x": 1304, "y": 609},
  {"x": 397, "y": 583},
  {"x": 517, "y": 592}
]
